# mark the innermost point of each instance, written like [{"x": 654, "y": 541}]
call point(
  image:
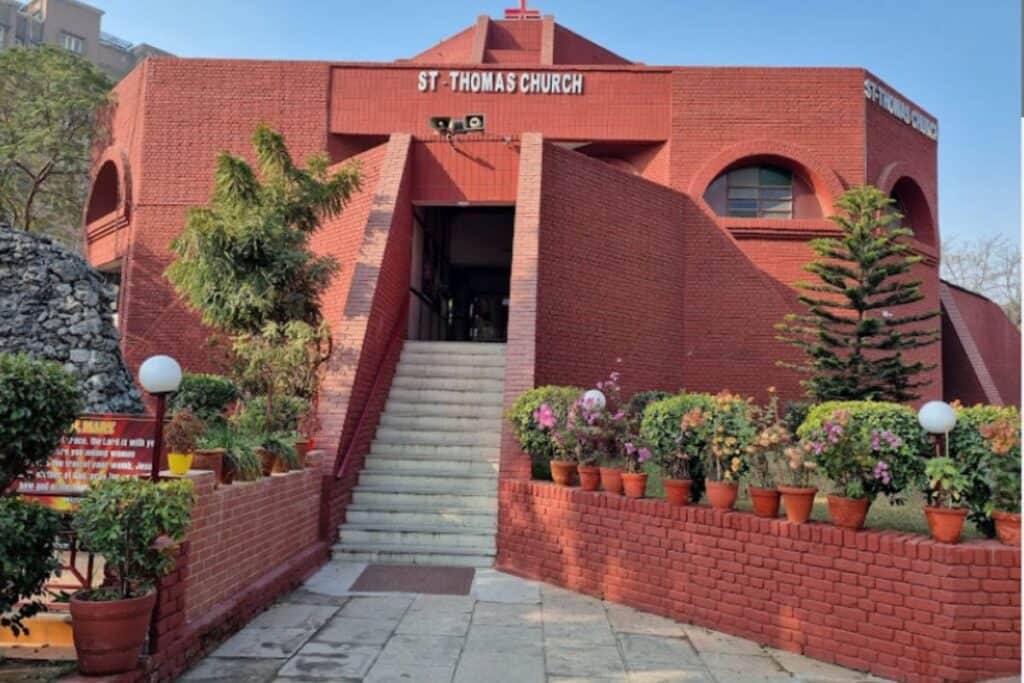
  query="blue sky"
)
[{"x": 959, "y": 60}]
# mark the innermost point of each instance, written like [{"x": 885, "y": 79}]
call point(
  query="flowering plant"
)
[
  {"x": 1001, "y": 464},
  {"x": 798, "y": 469},
  {"x": 730, "y": 434},
  {"x": 770, "y": 442},
  {"x": 866, "y": 448},
  {"x": 946, "y": 482}
]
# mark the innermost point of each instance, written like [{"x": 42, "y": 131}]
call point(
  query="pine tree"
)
[{"x": 854, "y": 336}]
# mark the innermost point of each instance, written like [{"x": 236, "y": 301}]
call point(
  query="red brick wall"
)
[
  {"x": 189, "y": 110},
  {"x": 610, "y": 276},
  {"x": 898, "y": 605},
  {"x": 242, "y": 531},
  {"x": 997, "y": 340},
  {"x": 248, "y": 544}
]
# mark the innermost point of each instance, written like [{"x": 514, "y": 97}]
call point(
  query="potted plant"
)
[
  {"x": 1002, "y": 469},
  {"x": 675, "y": 462},
  {"x": 563, "y": 461},
  {"x": 798, "y": 493},
  {"x": 282, "y": 449},
  {"x": 763, "y": 453},
  {"x": 238, "y": 459},
  {"x": 634, "y": 479},
  {"x": 946, "y": 484},
  {"x": 134, "y": 524},
  {"x": 537, "y": 441},
  {"x": 865, "y": 448},
  {"x": 730, "y": 434},
  {"x": 181, "y": 435}
]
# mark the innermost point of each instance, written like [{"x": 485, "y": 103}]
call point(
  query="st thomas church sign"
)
[{"x": 526, "y": 82}]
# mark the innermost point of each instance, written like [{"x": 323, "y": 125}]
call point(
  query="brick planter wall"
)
[
  {"x": 248, "y": 544},
  {"x": 898, "y": 605}
]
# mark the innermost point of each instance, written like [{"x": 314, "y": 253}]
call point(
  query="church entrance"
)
[{"x": 461, "y": 266}]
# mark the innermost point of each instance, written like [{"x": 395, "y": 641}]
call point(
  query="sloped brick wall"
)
[{"x": 898, "y": 605}]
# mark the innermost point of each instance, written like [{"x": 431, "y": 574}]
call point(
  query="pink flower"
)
[
  {"x": 643, "y": 455},
  {"x": 545, "y": 417}
]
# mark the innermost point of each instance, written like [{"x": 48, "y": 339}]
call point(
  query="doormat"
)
[{"x": 388, "y": 578}]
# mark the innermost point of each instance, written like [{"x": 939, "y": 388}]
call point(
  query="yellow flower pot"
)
[{"x": 179, "y": 463}]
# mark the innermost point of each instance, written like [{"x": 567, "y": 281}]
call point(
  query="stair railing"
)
[{"x": 396, "y": 338}]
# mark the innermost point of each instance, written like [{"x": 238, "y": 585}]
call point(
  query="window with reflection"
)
[{"x": 759, "y": 192}]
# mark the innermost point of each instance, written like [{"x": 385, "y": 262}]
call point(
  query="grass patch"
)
[{"x": 882, "y": 515}]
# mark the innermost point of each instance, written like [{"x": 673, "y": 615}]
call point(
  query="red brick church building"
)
[{"x": 610, "y": 215}]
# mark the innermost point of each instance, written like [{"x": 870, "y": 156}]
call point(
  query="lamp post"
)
[
  {"x": 937, "y": 417},
  {"x": 594, "y": 399},
  {"x": 159, "y": 376}
]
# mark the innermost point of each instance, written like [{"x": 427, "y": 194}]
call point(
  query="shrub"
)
[
  {"x": 971, "y": 449},
  {"x": 867, "y": 448},
  {"x": 946, "y": 482},
  {"x": 283, "y": 447},
  {"x": 1002, "y": 464},
  {"x": 133, "y": 524},
  {"x": 535, "y": 441},
  {"x": 28, "y": 531},
  {"x": 639, "y": 401},
  {"x": 39, "y": 402},
  {"x": 208, "y": 396},
  {"x": 767, "y": 451},
  {"x": 661, "y": 430},
  {"x": 239, "y": 449},
  {"x": 287, "y": 413},
  {"x": 732, "y": 433}
]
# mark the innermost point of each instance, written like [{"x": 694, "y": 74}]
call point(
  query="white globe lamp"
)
[
  {"x": 594, "y": 400},
  {"x": 160, "y": 375},
  {"x": 937, "y": 417}
]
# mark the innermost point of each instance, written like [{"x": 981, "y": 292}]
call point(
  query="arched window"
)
[
  {"x": 910, "y": 202},
  {"x": 104, "y": 197},
  {"x": 760, "y": 191}
]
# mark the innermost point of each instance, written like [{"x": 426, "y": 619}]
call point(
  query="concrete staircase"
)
[{"x": 428, "y": 493}]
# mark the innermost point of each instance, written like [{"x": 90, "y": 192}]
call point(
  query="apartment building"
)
[{"x": 73, "y": 25}]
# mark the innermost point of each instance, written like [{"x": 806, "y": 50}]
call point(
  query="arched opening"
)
[
  {"x": 909, "y": 200},
  {"x": 105, "y": 195},
  {"x": 766, "y": 187}
]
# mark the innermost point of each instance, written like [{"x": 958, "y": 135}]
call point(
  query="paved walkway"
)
[{"x": 507, "y": 629}]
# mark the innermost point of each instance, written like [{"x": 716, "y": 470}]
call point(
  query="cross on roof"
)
[{"x": 522, "y": 12}]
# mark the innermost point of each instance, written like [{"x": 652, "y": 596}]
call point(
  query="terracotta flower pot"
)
[
  {"x": 611, "y": 479},
  {"x": 590, "y": 477},
  {"x": 279, "y": 466},
  {"x": 945, "y": 523},
  {"x": 301, "y": 448},
  {"x": 634, "y": 484},
  {"x": 228, "y": 473},
  {"x": 722, "y": 494},
  {"x": 179, "y": 463},
  {"x": 266, "y": 460},
  {"x": 210, "y": 459},
  {"x": 109, "y": 634},
  {"x": 562, "y": 472},
  {"x": 1007, "y": 527},
  {"x": 677, "y": 491},
  {"x": 848, "y": 513},
  {"x": 765, "y": 501},
  {"x": 798, "y": 501}
]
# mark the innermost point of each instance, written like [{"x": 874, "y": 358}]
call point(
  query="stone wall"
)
[{"x": 54, "y": 305}]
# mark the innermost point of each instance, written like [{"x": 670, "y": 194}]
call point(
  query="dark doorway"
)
[{"x": 461, "y": 265}]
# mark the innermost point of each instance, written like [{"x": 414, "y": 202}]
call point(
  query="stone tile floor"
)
[{"x": 507, "y": 629}]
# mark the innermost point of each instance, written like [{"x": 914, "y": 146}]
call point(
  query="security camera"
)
[{"x": 474, "y": 123}]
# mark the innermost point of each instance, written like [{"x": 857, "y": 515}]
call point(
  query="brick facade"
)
[{"x": 898, "y": 605}]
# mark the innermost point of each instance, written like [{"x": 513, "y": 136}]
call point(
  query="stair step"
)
[
  {"x": 447, "y": 395},
  {"x": 447, "y": 371},
  {"x": 490, "y": 437},
  {"x": 401, "y": 554},
  {"x": 424, "y": 408},
  {"x": 441, "y": 423},
  {"x": 454, "y": 348},
  {"x": 451, "y": 518},
  {"x": 386, "y": 496},
  {"x": 449, "y": 384},
  {"x": 437, "y": 537},
  {"x": 421, "y": 466},
  {"x": 417, "y": 357},
  {"x": 478, "y": 484},
  {"x": 434, "y": 451}
]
